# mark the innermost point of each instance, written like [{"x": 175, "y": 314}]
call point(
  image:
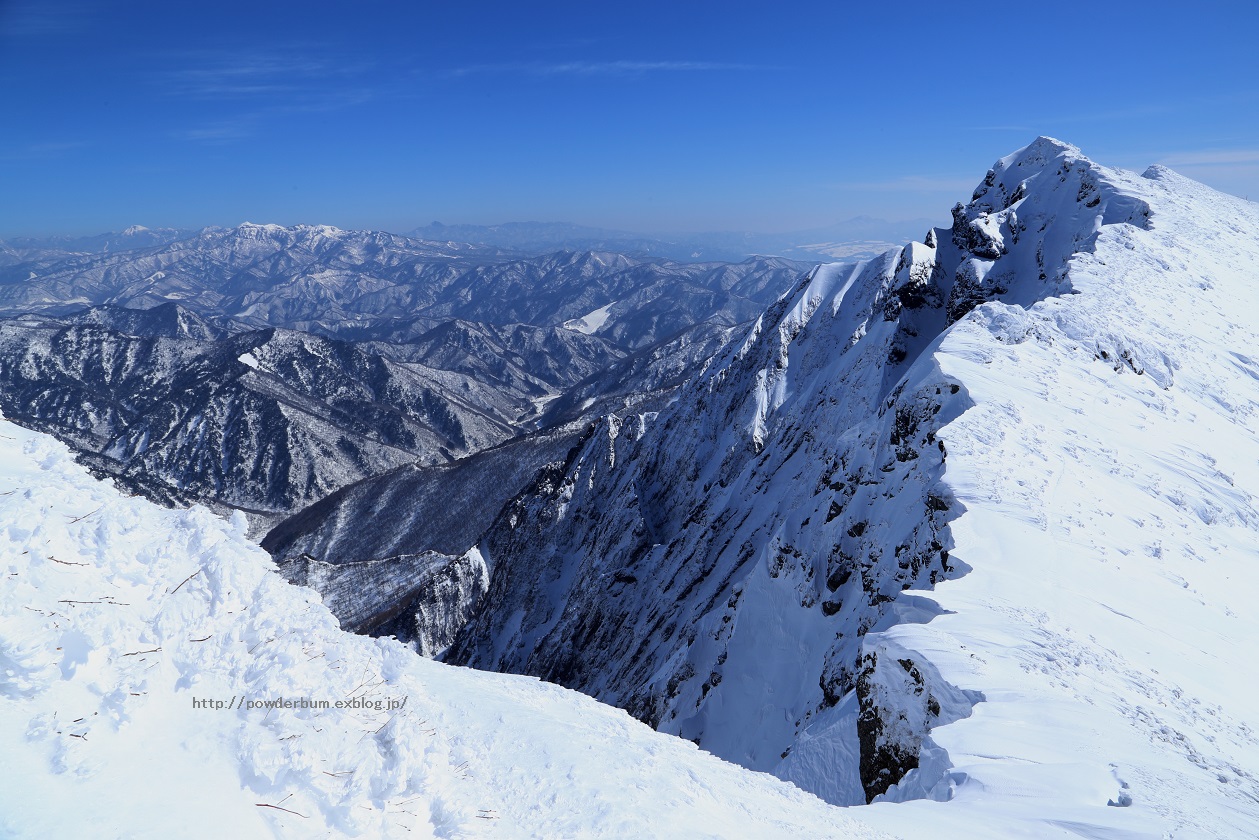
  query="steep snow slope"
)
[
  {"x": 115, "y": 616},
  {"x": 1045, "y": 412}
]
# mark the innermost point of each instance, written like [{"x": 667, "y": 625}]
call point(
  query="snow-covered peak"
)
[
  {"x": 1034, "y": 211},
  {"x": 1038, "y": 153},
  {"x": 249, "y": 228},
  {"x": 324, "y": 231}
]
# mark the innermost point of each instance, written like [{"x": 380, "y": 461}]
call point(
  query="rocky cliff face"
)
[{"x": 715, "y": 567}]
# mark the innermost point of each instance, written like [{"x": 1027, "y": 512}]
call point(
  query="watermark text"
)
[{"x": 383, "y": 704}]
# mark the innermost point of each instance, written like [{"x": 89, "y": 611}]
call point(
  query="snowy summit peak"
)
[
  {"x": 249, "y": 231},
  {"x": 1041, "y": 149},
  {"x": 294, "y": 233}
]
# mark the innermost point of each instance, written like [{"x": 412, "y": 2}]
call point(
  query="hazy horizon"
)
[{"x": 890, "y": 224}]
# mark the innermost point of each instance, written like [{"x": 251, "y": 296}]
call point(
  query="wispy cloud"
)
[
  {"x": 1135, "y": 112},
  {"x": 597, "y": 68},
  {"x": 44, "y": 18},
  {"x": 249, "y": 122},
  {"x": 263, "y": 86},
  {"x": 247, "y": 75},
  {"x": 45, "y": 150},
  {"x": 225, "y": 131},
  {"x": 1212, "y": 157},
  {"x": 1013, "y": 128}
]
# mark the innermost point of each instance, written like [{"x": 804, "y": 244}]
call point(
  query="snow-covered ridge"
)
[
  {"x": 768, "y": 566},
  {"x": 1109, "y": 472},
  {"x": 264, "y": 421}
]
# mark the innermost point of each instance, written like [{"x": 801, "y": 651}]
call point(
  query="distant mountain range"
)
[
  {"x": 137, "y": 236},
  {"x": 380, "y": 286},
  {"x": 861, "y": 236}
]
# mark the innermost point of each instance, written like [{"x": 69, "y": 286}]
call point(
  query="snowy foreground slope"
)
[{"x": 116, "y": 614}]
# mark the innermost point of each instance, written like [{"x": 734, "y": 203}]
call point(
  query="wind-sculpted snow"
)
[
  {"x": 157, "y": 679},
  {"x": 1109, "y": 473},
  {"x": 1044, "y": 415}
]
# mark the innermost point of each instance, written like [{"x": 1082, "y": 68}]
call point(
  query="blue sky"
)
[{"x": 646, "y": 116}]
